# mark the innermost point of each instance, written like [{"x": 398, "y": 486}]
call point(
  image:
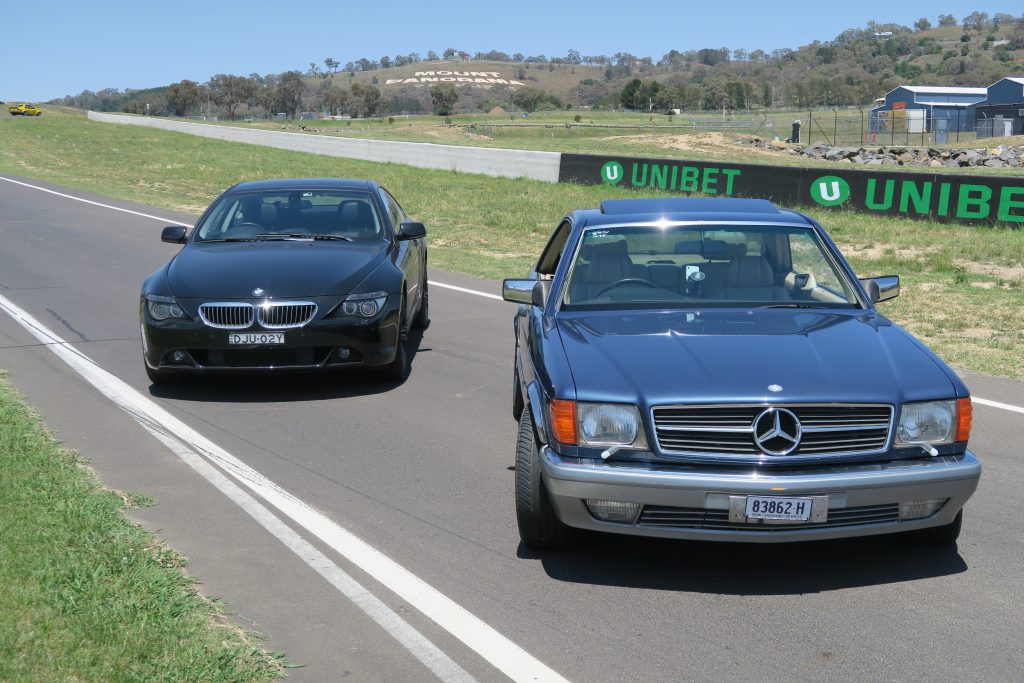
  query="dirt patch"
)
[
  {"x": 712, "y": 141},
  {"x": 876, "y": 251},
  {"x": 1009, "y": 273},
  {"x": 976, "y": 333}
]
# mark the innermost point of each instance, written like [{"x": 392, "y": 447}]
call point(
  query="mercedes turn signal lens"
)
[
  {"x": 964, "y": 418},
  {"x": 563, "y": 421}
]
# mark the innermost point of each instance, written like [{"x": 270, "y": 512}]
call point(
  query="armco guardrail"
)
[{"x": 506, "y": 163}]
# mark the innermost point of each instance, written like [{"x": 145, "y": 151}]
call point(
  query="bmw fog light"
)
[
  {"x": 613, "y": 510},
  {"x": 919, "y": 509},
  {"x": 179, "y": 356},
  {"x": 344, "y": 353}
]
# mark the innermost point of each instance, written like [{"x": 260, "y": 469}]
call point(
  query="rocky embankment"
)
[{"x": 1000, "y": 157}]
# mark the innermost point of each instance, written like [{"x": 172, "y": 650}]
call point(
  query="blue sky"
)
[{"x": 51, "y": 49}]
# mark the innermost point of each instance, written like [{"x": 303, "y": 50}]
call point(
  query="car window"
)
[
  {"x": 306, "y": 213},
  {"x": 744, "y": 265},
  {"x": 552, "y": 254},
  {"x": 395, "y": 212}
]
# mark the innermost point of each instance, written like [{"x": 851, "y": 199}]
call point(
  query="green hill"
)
[{"x": 851, "y": 69}]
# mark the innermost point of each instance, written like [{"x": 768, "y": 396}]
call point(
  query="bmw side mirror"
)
[
  {"x": 411, "y": 231},
  {"x": 175, "y": 234},
  {"x": 518, "y": 291},
  {"x": 882, "y": 288}
]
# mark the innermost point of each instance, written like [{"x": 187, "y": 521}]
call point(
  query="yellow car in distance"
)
[{"x": 24, "y": 110}]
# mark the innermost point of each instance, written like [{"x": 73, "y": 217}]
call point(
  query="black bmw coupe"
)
[{"x": 288, "y": 275}]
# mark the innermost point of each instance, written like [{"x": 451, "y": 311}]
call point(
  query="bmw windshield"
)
[
  {"x": 292, "y": 214},
  {"x": 705, "y": 265}
]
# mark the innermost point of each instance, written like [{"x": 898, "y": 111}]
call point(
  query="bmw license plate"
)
[
  {"x": 256, "y": 338},
  {"x": 781, "y": 509}
]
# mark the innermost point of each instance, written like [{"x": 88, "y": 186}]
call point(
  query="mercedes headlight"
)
[
  {"x": 362, "y": 305},
  {"x": 163, "y": 307},
  {"x": 612, "y": 426},
  {"x": 930, "y": 423}
]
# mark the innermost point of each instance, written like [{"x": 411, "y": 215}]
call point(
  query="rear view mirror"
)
[
  {"x": 174, "y": 234},
  {"x": 882, "y": 288}
]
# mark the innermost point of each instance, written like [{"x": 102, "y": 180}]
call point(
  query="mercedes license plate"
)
[
  {"x": 250, "y": 338},
  {"x": 776, "y": 508}
]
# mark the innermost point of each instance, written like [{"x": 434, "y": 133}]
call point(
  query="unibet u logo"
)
[
  {"x": 830, "y": 190},
  {"x": 612, "y": 173}
]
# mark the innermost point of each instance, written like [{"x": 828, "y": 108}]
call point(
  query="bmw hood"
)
[
  {"x": 283, "y": 269},
  {"x": 660, "y": 357}
]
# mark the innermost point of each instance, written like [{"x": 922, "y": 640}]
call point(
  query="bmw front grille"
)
[{"x": 272, "y": 315}]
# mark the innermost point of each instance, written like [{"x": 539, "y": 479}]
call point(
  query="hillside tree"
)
[
  {"x": 231, "y": 91},
  {"x": 443, "y": 96},
  {"x": 288, "y": 93},
  {"x": 182, "y": 97},
  {"x": 922, "y": 24},
  {"x": 947, "y": 20},
  {"x": 527, "y": 99}
]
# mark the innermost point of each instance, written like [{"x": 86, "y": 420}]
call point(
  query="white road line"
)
[
  {"x": 501, "y": 652},
  {"x": 170, "y": 221},
  {"x": 982, "y": 401},
  {"x": 997, "y": 404},
  {"x": 463, "y": 289}
]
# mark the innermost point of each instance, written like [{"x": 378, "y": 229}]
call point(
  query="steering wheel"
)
[{"x": 628, "y": 281}]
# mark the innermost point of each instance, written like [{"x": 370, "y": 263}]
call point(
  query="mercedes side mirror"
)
[
  {"x": 881, "y": 288},
  {"x": 174, "y": 234},
  {"x": 528, "y": 292}
]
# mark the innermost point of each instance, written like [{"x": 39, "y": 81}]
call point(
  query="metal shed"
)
[
  {"x": 1002, "y": 114},
  {"x": 925, "y": 108}
]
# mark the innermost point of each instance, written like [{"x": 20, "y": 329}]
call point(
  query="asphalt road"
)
[{"x": 421, "y": 472}]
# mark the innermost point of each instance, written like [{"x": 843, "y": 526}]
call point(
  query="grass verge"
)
[
  {"x": 88, "y": 596},
  {"x": 963, "y": 290}
]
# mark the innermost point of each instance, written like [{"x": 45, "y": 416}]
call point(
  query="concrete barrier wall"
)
[{"x": 506, "y": 163}]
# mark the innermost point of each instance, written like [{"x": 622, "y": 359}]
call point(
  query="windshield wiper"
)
[
  {"x": 301, "y": 236},
  {"x": 793, "y": 305}
]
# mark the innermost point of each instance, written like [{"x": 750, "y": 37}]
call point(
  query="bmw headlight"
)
[
  {"x": 930, "y": 423},
  {"x": 163, "y": 307},
  {"x": 362, "y": 305}
]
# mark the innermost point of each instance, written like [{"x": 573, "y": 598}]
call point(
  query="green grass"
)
[
  {"x": 963, "y": 290},
  {"x": 88, "y": 596}
]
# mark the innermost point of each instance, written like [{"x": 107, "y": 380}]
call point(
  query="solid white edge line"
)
[
  {"x": 997, "y": 404},
  {"x": 89, "y": 201},
  {"x": 501, "y": 652},
  {"x": 463, "y": 289}
]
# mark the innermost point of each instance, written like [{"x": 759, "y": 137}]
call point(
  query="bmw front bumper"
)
[{"x": 701, "y": 503}]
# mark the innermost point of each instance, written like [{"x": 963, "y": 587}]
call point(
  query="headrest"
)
[
  {"x": 750, "y": 271},
  {"x": 734, "y": 251},
  {"x": 356, "y": 215},
  {"x": 714, "y": 249},
  {"x": 268, "y": 215},
  {"x": 607, "y": 266}
]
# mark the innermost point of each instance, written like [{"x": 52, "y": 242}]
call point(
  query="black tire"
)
[
  {"x": 398, "y": 369},
  {"x": 422, "y": 319},
  {"x": 517, "y": 394},
  {"x": 539, "y": 526},
  {"x": 941, "y": 536}
]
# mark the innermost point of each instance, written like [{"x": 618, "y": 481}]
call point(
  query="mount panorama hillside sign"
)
[{"x": 483, "y": 79}]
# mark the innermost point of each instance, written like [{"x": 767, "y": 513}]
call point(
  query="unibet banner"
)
[{"x": 935, "y": 196}]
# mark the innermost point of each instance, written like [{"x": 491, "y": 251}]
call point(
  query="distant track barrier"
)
[
  {"x": 943, "y": 197},
  {"x": 507, "y": 163}
]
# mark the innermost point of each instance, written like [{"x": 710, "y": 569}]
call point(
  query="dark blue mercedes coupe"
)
[
  {"x": 713, "y": 369},
  {"x": 288, "y": 275}
]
